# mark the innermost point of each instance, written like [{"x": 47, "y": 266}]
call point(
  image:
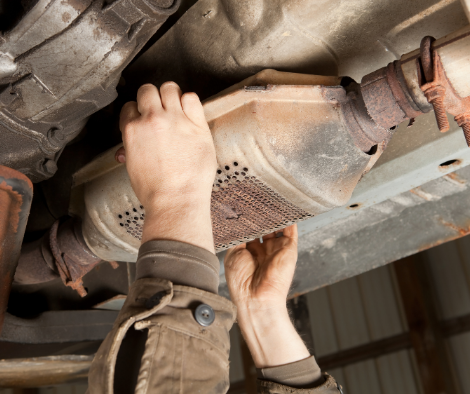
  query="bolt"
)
[
  {"x": 435, "y": 95},
  {"x": 441, "y": 116},
  {"x": 463, "y": 120},
  {"x": 56, "y": 136},
  {"x": 50, "y": 166},
  {"x": 466, "y": 132},
  {"x": 78, "y": 287}
]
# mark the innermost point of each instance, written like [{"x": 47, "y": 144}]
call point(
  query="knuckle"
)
[
  {"x": 147, "y": 86},
  {"x": 169, "y": 84},
  {"x": 156, "y": 122},
  {"x": 191, "y": 96},
  {"x": 145, "y": 91}
]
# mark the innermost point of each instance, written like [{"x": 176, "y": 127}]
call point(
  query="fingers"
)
[
  {"x": 269, "y": 236},
  {"x": 148, "y": 99},
  {"x": 120, "y": 155},
  {"x": 171, "y": 96},
  {"x": 129, "y": 112},
  {"x": 193, "y": 109},
  {"x": 257, "y": 249},
  {"x": 291, "y": 232}
]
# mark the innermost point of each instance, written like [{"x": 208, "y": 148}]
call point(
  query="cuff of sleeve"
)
[
  {"x": 301, "y": 374},
  {"x": 180, "y": 263},
  {"x": 328, "y": 386}
]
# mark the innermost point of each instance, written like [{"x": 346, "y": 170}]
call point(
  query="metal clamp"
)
[{"x": 439, "y": 91}]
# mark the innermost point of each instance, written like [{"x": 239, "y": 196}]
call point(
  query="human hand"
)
[
  {"x": 258, "y": 277},
  {"x": 258, "y": 274},
  {"x": 170, "y": 157}
]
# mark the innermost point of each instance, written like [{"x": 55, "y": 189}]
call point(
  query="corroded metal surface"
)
[
  {"x": 60, "y": 64},
  {"x": 62, "y": 252},
  {"x": 366, "y": 133},
  {"x": 72, "y": 258},
  {"x": 16, "y": 192},
  {"x": 432, "y": 86},
  {"x": 247, "y": 209},
  {"x": 387, "y": 98},
  {"x": 440, "y": 92}
]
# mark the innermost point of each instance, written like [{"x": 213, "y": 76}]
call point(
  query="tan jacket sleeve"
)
[
  {"x": 181, "y": 355},
  {"x": 329, "y": 386}
]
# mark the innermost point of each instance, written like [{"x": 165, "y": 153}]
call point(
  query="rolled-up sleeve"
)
[{"x": 180, "y": 263}]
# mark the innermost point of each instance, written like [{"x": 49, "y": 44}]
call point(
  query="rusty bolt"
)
[
  {"x": 463, "y": 120},
  {"x": 435, "y": 95},
  {"x": 434, "y": 92},
  {"x": 466, "y": 132}
]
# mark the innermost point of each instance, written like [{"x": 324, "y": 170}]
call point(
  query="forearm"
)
[
  {"x": 184, "y": 218},
  {"x": 271, "y": 337}
]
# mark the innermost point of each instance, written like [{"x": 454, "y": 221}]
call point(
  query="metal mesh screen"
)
[{"x": 245, "y": 208}]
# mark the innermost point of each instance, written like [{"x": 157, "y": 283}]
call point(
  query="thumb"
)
[
  {"x": 120, "y": 155},
  {"x": 230, "y": 257}
]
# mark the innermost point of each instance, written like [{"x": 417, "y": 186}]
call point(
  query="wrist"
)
[
  {"x": 270, "y": 336},
  {"x": 180, "y": 218},
  {"x": 160, "y": 202}
]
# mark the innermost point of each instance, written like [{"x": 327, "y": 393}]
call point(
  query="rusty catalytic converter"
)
[{"x": 289, "y": 146}]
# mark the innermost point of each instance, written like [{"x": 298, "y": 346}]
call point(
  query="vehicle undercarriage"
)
[{"x": 338, "y": 96}]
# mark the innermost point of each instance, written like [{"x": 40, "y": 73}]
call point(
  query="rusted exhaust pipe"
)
[
  {"x": 16, "y": 193},
  {"x": 61, "y": 252}
]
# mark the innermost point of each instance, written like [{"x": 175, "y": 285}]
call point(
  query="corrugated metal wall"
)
[
  {"x": 450, "y": 267},
  {"x": 357, "y": 311}
]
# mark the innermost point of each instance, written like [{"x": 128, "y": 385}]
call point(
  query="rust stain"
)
[
  {"x": 385, "y": 99},
  {"x": 78, "y": 5},
  {"x": 114, "y": 264},
  {"x": 458, "y": 233},
  {"x": 66, "y": 17},
  {"x": 454, "y": 178},
  {"x": 422, "y": 194},
  {"x": 11, "y": 204},
  {"x": 462, "y": 231},
  {"x": 9, "y": 173},
  {"x": 10, "y": 208},
  {"x": 72, "y": 258},
  {"x": 440, "y": 92},
  {"x": 444, "y": 167}
]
